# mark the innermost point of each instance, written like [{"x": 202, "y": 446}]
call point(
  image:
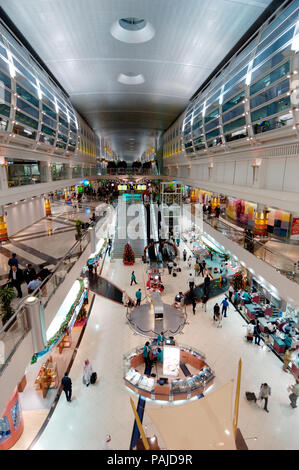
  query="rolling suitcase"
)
[
  {"x": 250, "y": 396},
  {"x": 93, "y": 378}
]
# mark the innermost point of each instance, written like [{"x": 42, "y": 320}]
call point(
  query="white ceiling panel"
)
[{"x": 73, "y": 38}]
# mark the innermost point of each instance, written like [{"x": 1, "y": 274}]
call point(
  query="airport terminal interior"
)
[{"x": 149, "y": 225}]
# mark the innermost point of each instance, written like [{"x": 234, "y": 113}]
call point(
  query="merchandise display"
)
[
  {"x": 176, "y": 383},
  {"x": 47, "y": 377}
]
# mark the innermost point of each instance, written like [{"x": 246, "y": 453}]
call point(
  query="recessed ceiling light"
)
[
  {"x": 132, "y": 30},
  {"x": 130, "y": 79}
]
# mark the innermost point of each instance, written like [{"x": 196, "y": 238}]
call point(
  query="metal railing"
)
[{"x": 274, "y": 258}]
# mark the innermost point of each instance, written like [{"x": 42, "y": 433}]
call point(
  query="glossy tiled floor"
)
[{"x": 105, "y": 407}]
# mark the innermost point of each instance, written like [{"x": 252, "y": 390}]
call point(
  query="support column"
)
[
  {"x": 69, "y": 172},
  {"x": 3, "y": 175},
  {"x": 3, "y": 227},
  {"x": 260, "y": 220},
  {"x": 92, "y": 238},
  {"x": 45, "y": 172},
  {"x": 47, "y": 205},
  {"x": 35, "y": 315}
]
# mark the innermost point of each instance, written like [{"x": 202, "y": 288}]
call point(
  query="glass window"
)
[
  {"x": 283, "y": 26},
  {"x": 212, "y": 124},
  {"x": 63, "y": 121},
  {"x": 199, "y": 147},
  {"x": 3, "y": 51},
  {"x": 63, "y": 130},
  {"x": 272, "y": 108},
  {"x": 49, "y": 121},
  {"x": 280, "y": 18},
  {"x": 5, "y": 95},
  {"x": 4, "y": 110},
  {"x": 270, "y": 64},
  {"x": 236, "y": 78},
  {"x": 234, "y": 124},
  {"x": 214, "y": 97},
  {"x": 27, "y": 96},
  {"x": 74, "y": 129},
  {"x": 197, "y": 124},
  {"x": 270, "y": 93},
  {"x": 62, "y": 137},
  {"x": 27, "y": 108},
  {"x": 212, "y": 115},
  {"x": 5, "y": 67},
  {"x": 3, "y": 124},
  {"x": 197, "y": 132},
  {"x": 272, "y": 77},
  {"x": 45, "y": 139},
  {"x": 199, "y": 140},
  {"x": 49, "y": 112},
  {"x": 275, "y": 123},
  {"x": 27, "y": 121},
  {"x": 23, "y": 70},
  {"x": 47, "y": 93},
  {"x": 189, "y": 151},
  {"x": 236, "y": 135},
  {"x": 212, "y": 134},
  {"x": 60, "y": 144},
  {"x": 71, "y": 149},
  {"x": 188, "y": 144},
  {"x": 48, "y": 131},
  {"x": 3, "y": 77},
  {"x": 274, "y": 47},
  {"x": 233, "y": 101},
  {"x": 24, "y": 130},
  {"x": 233, "y": 113}
]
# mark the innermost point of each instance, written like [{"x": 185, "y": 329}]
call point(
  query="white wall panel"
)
[
  {"x": 273, "y": 177},
  {"x": 241, "y": 173},
  {"x": 290, "y": 182},
  {"x": 23, "y": 214},
  {"x": 229, "y": 168}
]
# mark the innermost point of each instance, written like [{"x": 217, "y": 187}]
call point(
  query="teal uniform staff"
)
[
  {"x": 161, "y": 339},
  {"x": 160, "y": 355}
]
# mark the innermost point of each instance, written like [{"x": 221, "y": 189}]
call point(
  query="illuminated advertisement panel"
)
[{"x": 171, "y": 361}]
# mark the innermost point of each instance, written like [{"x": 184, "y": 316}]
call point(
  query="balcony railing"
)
[
  {"x": 274, "y": 258},
  {"x": 129, "y": 171}
]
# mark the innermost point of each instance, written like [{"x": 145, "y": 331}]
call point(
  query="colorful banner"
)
[{"x": 295, "y": 226}]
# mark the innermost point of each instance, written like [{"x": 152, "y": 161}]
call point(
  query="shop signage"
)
[{"x": 295, "y": 226}]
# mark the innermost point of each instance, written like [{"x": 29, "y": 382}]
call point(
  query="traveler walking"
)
[
  {"x": 230, "y": 292},
  {"x": 216, "y": 314},
  {"x": 201, "y": 269},
  {"x": 184, "y": 254},
  {"x": 295, "y": 393},
  {"x": 29, "y": 273},
  {"x": 133, "y": 278},
  {"x": 194, "y": 304},
  {"x": 217, "y": 211},
  {"x": 170, "y": 266},
  {"x": 257, "y": 333},
  {"x": 15, "y": 277},
  {"x": 225, "y": 304},
  {"x": 204, "y": 301},
  {"x": 87, "y": 371},
  {"x": 189, "y": 262},
  {"x": 264, "y": 394},
  {"x": 13, "y": 261},
  {"x": 191, "y": 281},
  {"x": 207, "y": 282},
  {"x": 67, "y": 386},
  {"x": 196, "y": 269},
  {"x": 138, "y": 297}
]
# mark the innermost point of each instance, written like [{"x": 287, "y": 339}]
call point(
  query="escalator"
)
[{"x": 151, "y": 249}]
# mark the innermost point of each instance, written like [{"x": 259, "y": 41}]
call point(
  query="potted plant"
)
[
  {"x": 78, "y": 223},
  {"x": 7, "y": 294}
]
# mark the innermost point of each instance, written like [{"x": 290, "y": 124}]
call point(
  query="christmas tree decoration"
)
[
  {"x": 238, "y": 282},
  {"x": 128, "y": 257}
]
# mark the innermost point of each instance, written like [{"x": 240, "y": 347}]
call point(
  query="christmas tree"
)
[
  {"x": 128, "y": 257},
  {"x": 237, "y": 281}
]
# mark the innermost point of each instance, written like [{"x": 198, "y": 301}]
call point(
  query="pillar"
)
[
  {"x": 3, "y": 227},
  {"x": 47, "y": 206},
  {"x": 35, "y": 315},
  {"x": 3, "y": 175},
  {"x": 69, "y": 172},
  {"x": 92, "y": 238},
  {"x": 260, "y": 220},
  {"x": 45, "y": 172}
]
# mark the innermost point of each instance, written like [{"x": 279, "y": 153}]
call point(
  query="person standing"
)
[
  {"x": 13, "y": 261},
  {"x": 264, "y": 394},
  {"x": 170, "y": 266},
  {"x": 146, "y": 353},
  {"x": 204, "y": 301},
  {"x": 230, "y": 292},
  {"x": 87, "y": 371},
  {"x": 191, "y": 282},
  {"x": 133, "y": 278},
  {"x": 225, "y": 304},
  {"x": 184, "y": 254},
  {"x": 16, "y": 278},
  {"x": 287, "y": 358},
  {"x": 196, "y": 269},
  {"x": 161, "y": 339},
  {"x": 189, "y": 262},
  {"x": 217, "y": 211},
  {"x": 138, "y": 298},
  {"x": 201, "y": 269},
  {"x": 67, "y": 386},
  {"x": 295, "y": 393},
  {"x": 29, "y": 273},
  {"x": 257, "y": 333}
]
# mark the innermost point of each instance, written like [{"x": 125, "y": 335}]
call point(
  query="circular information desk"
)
[{"x": 176, "y": 388}]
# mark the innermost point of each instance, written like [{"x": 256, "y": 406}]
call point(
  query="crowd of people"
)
[{"x": 17, "y": 276}]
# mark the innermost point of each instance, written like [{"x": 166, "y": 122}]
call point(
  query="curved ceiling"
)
[{"x": 190, "y": 38}]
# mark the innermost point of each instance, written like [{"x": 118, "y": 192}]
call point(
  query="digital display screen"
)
[{"x": 171, "y": 361}]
